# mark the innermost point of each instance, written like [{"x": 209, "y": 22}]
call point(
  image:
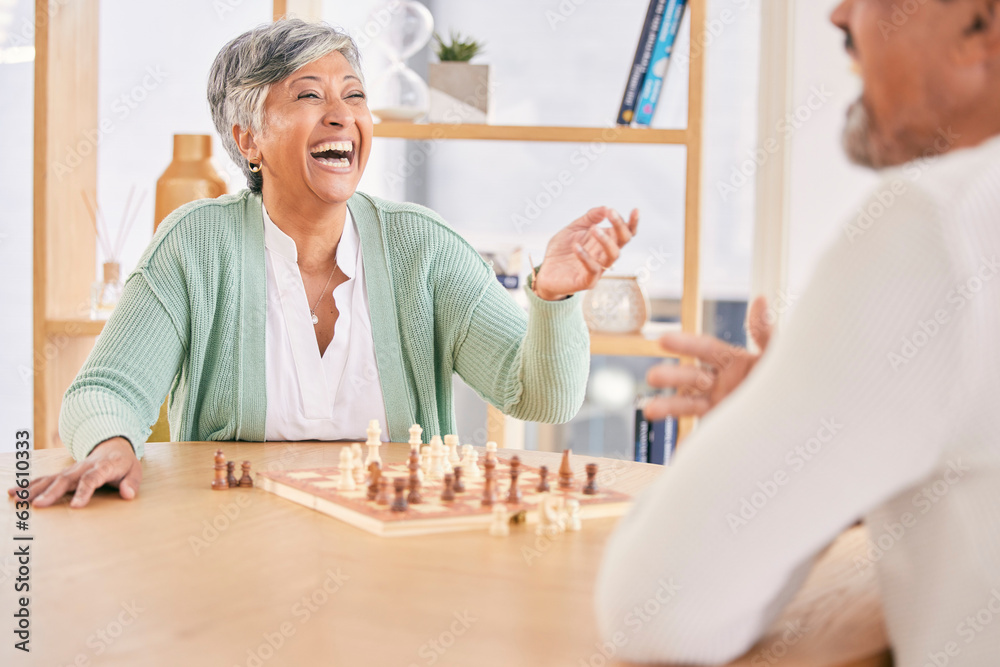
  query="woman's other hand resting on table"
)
[
  {"x": 722, "y": 369},
  {"x": 113, "y": 462}
]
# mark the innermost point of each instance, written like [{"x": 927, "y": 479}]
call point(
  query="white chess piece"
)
[
  {"x": 470, "y": 467},
  {"x": 359, "y": 468},
  {"x": 425, "y": 462},
  {"x": 491, "y": 449},
  {"x": 415, "y": 441},
  {"x": 573, "y": 515},
  {"x": 346, "y": 482},
  {"x": 374, "y": 442},
  {"x": 437, "y": 458},
  {"x": 549, "y": 520},
  {"x": 500, "y": 527},
  {"x": 451, "y": 442}
]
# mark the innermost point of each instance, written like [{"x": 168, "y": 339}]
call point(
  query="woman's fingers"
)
[
  {"x": 661, "y": 407},
  {"x": 608, "y": 246},
  {"x": 633, "y": 221},
  {"x": 61, "y": 484},
  {"x": 706, "y": 349},
  {"x": 759, "y": 323},
  {"x": 623, "y": 232},
  {"x": 588, "y": 261},
  {"x": 129, "y": 486},
  {"x": 681, "y": 377}
]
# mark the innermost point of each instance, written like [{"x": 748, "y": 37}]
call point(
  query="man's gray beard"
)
[{"x": 859, "y": 144}]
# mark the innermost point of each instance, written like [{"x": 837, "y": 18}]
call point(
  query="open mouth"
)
[{"x": 334, "y": 153}]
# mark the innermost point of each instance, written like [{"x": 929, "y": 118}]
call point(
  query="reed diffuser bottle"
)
[{"x": 107, "y": 290}]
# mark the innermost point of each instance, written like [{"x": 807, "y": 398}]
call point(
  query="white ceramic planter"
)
[{"x": 460, "y": 93}]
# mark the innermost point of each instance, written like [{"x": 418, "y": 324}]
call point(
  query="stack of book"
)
[
  {"x": 654, "y": 441},
  {"x": 652, "y": 57}
]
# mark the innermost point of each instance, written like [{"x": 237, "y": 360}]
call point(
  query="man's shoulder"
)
[{"x": 951, "y": 179}]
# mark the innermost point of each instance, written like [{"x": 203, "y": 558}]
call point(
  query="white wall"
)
[
  {"x": 825, "y": 188},
  {"x": 16, "y": 148}
]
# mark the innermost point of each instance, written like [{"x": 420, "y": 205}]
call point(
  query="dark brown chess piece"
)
[
  {"x": 490, "y": 483},
  {"x": 374, "y": 473},
  {"x": 382, "y": 497},
  {"x": 220, "y": 483},
  {"x": 414, "y": 497},
  {"x": 565, "y": 471},
  {"x": 458, "y": 486},
  {"x": 399, "y": 486},
  {"x": 514, "y": 495},
  {"x": 231, "y": 474},
  {"x": 448, "y": 492},
  {"x": 246, "y": 481},
  {"x": 543, "y": 480},
  {"x": 590, "y": 488}
]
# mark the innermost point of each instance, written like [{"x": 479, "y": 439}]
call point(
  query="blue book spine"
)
[
  {"x": 640, "y": 63},
  {"x": 652, "y": 85},
  {"x": 643, "y": 435},
  {"x": 663, "y": 441}
]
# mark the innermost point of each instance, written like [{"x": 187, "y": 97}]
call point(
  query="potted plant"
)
[{"x": 460, "y": 91}]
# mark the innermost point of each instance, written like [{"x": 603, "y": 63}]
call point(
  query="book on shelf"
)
[
  {"x": 640, "y": 63},
  {"x": 655, "y": 441},
  {"x": 656, "y": 73}
]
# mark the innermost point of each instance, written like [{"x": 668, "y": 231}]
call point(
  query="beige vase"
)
[
  {"x": 190, "y": 176},
  {"x": 617, "y": 305},
  {"x": 460, "y": 93}
]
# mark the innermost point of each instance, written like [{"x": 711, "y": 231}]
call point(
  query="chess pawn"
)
[
  {"x": 246, "y": 481},
  {"x": 543, "y": 480},
  {"x": 514, "y": 495},
  {"x": 451, "y": 443},
  {"x": 573, "y": 522},
  {"x": 374, "y": 473},
  {"x": 448, "y": 492},
  {"x": 500, "y": 526},
  {"x": 437, "y": 458},
  {"x": 220, "y": 483},
  {"x": 414, "y": 497},
  {"x": 425, "y": 462},
  {"x": 359, "y": 468},
  {"x": 373, "y": 443},
  {"x": 470, "y": 457},
  {"x": 399, "y": 486},
  {"x": 346, "y": 481},
  {"x": 231, "y": 474},
  {"x": 458, "y": 485},
  {"x": 491, "y": 450},
  {"x": 590, "y": 488},
  {"x": 382, "y": 497}
]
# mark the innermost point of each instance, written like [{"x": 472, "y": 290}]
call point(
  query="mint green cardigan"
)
[{"x": 191, "y": 322}]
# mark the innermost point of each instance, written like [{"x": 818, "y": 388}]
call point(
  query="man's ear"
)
[{"x": 246, "y": 143}]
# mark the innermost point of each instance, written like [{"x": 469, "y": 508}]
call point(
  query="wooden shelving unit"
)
[{"x": 66, "y": 67}]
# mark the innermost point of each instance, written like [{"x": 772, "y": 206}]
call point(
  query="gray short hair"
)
[{"x": 247, "y": 66}]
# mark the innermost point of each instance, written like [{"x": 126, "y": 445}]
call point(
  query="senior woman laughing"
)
[{"x": 299, "y": 309}]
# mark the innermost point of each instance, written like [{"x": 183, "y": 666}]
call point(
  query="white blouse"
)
[{"x": 313, "y": 397}]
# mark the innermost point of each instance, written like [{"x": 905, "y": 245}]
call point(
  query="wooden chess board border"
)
[{"x": 608, "y": 504}]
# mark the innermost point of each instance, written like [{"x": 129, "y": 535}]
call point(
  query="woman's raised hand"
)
[
  {"x": 579, "y": 254},
  {"x": 112, "y": 462}
]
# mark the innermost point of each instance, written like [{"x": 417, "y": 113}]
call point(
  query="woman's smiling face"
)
[{"x": 317, "y": 133}]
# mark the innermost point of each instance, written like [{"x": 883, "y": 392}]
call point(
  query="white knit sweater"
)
[{"x": 880, "y": 399}]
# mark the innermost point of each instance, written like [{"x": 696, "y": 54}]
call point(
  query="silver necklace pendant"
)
[{"x": 315, "y": 319}]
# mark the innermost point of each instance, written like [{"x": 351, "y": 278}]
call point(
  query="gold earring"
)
[{"x": 252, "y": 166}]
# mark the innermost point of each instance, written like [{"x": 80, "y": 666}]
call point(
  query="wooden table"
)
[{"x": 184, "y": 575}]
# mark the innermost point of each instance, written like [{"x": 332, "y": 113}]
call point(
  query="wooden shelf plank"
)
[
  {"x": 635, "y": 345},
  {"x": 611, "y": 135},
  {"x": 74, "y": 327}
]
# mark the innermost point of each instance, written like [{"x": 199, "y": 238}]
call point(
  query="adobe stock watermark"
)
[
  {"x": 900, "y": 16},
  {"x": 923, "y": 502},
  {"x": 303, "y": 610},
  {"x": 434, "y": 649},
  {"x": 632, "y": 623},
  {"x": 795, "y": 461},
  {"x": 791, "y": 635},
  {"x": 927, "y": 330},
  {"x": 889, "y": 193},
  {"x": 740, "y": 176},
  {"x": 967, "y": 630},
  {"x": 229, "y": 512}
]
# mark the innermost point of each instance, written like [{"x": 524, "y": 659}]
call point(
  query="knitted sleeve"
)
[
  {"x": 532, "y": 367},
  {"x": 120, "y": 388}
]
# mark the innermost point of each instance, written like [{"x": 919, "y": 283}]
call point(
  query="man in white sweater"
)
[{"x": 879, "y": 400}]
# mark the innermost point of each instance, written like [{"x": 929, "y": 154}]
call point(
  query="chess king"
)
[{"x": 299, "y": 308}]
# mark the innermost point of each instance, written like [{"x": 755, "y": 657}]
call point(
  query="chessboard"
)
[{"x": 316, "y": 488}]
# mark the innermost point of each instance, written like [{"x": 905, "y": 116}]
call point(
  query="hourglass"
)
[{"x": 399, "y": 94}]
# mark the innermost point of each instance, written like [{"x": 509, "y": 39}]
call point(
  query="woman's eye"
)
[
  {"x": 305, "y": 95},
  {"x": 358, "y": 95}
]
